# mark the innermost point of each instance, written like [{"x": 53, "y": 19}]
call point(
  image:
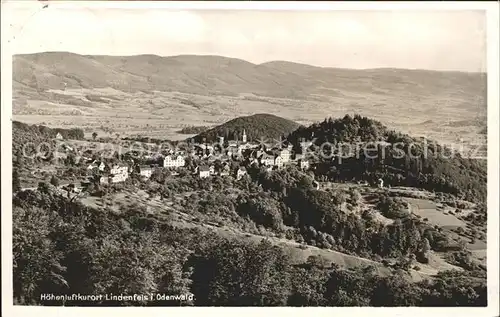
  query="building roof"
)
[
  {"x": 266, "y": 156},
  {"x": 174, "y": 157},
  {"x": 204, "y": 168}
]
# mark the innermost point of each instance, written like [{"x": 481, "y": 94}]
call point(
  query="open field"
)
[{"x": 428, "y": 209}]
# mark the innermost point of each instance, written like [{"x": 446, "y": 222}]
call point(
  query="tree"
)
[
  {"x": 36, "y": 261},
  {"x": 355, "y": 197},
  {"x": 43, "y": 187},
  {"x": 54, "y": 181},
  {"x": 233, "y": 273},
  {"x": 16, "y": 183},
  {"x": 94, "y": 135},
  {"x": 70, "y": 159}
]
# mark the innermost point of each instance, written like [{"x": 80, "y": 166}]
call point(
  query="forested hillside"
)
[
  {"x": 64, "y": 247},
  {"x": 257, "y": 126},
  {"x": 395, "y": 157}
]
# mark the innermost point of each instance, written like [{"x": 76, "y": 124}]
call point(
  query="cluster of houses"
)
[{"x": 209, "y": 161}]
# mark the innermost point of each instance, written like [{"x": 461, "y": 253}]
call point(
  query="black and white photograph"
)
[{"x": 250, "y": 154}]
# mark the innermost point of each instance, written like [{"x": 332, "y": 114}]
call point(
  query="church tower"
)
[{"x": 244, "y": 138}]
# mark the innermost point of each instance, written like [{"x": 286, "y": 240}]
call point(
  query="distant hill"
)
[
  {"x": 403, "y": 162},
  {"x": 153, "y": 95},
  {"x": 215, "y": 75},
  {"x": 256, "y": 126}
]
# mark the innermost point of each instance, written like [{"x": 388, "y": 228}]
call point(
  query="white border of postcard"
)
[{"x": 492, "y": 10}]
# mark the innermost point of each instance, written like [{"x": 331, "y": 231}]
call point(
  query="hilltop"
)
[
  {"x": 424, "y": 165},
  {"x": 257, "y": 126}
]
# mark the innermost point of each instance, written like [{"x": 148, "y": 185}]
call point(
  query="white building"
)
[
  {"x": 242, "y": 171},
  {"x": 204, "y": 171},
  {"x": 59, "y": 136},
  {"x": 285, "y": 155},
  {"x": 146, "y": 171},
  {"x": 119, "y": 169},
  {"x": 278, "y": 161},
  {"x": 304, "y": 164},
  {"x": 267, "y": 160},
  {"x": 119, "y": 173},
  {"x": 174, "y": 161},
  {"x": 118, "y": 178}
]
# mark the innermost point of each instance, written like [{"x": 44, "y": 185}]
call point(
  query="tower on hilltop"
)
[{"x": 244, "y": 137}]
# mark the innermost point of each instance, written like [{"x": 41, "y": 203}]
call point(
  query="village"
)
[{"x": 224, "y": 158}]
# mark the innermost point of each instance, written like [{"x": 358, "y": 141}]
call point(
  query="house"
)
[
  {"x": 204, "y": 171},
  {"x": 118, "y": 178},
  {"x": 299, "y": 156},
  {"x": 118, "y": 173},
  {"x": 119, "y": 169},
  {"x": 59, "y": 136},
  {"x": 211, "y": 169},
  {"x": 97, "y": 165},
  {"x": 204, "y": 148},
  {"x": 259, "y": 153},
  {"x": 225, "y": 170},
  {"x": 304, "y": 164},
  {"x": 242, "y": 171},
  {"x": 267, "y": 159},
  {"x": 87, "y": 159},
  {"x": 278, "y": 161},
  {"x": 285, "y": 155},
  {"x": 171, "y": 161},
  {"x": 232, "y": 143},
  {"x": 253, "y": 161},
  {"x": 85, "y": 184},
  {"x": 304, "y": 145},
  {"x": 145, "y": 171}
]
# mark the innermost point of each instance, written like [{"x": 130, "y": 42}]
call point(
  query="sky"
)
[{"x": 438, "y": 40}]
